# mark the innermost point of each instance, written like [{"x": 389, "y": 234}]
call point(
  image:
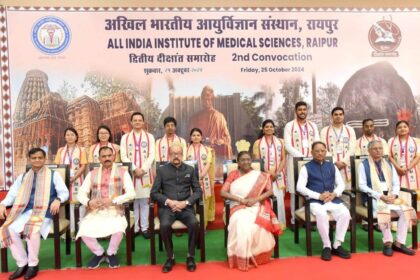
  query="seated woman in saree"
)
[{"x": 252, "y": 222}]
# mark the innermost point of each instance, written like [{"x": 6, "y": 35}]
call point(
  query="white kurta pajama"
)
[
  {"x": 298, "y": 140},
  {"x": 338, "y": 210},
  {"x": 341, "y": 144},
  {"x": 19, "y": 253},
  {"x": 403, "y": 223},
  {"x": 139, "y": 149},
  {"x": 108, "y": 221}
]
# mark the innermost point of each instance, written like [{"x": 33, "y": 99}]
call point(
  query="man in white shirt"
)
[
  {"x": 138, "y": 147},
  {"x": 299, "y": 135},
  {"x": 321, "y": 181},
  {"x": 378, "y": 177},
  {"x": 35, "y": 196},
  {"x": 103, "y": 192}
]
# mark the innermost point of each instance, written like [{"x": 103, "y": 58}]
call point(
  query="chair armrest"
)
[
  {"x": 349, "y": 194},
  {"x": 274, "y": 201},
  {"x": 413, "y": 194}
]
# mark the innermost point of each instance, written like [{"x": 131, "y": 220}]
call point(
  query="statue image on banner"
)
[
  {"x": 213, "y": 125},
  {"x": 378, "y": 91}
]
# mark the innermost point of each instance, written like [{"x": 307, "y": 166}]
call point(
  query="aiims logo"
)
[
  {"x": 384, "y": 37},
  {"x": 51, "y": 35}
]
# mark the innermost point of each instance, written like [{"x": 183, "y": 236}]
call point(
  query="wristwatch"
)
[
  {"x": 57, "y": 198},
  {"x": 187, "y": 202}
]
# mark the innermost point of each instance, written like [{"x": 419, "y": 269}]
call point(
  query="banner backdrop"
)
[{"x": 84, "y": 67}]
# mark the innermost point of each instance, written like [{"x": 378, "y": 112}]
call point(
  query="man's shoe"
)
[
  {"x": 326, "y": 254},
  {"x": 95, "y": 261},
  {"x": 20, "y": 271},
  {"x": 146, "y": 234},
  {"x": 403, "y": 249},
  {"x": 191, "y": 266},
  {"x": 113, "y": 261},
  {"x": 341, "y": 252},
  {"x": 387, "y": 250},
  {"x": 31, "y": 272},
  {"x": 168, "y": 265}
]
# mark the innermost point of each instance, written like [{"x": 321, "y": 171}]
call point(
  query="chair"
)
[
  {"x": 304, "y": 216},
  {"x": 154, "y": 224},
  {"x": 366, "y": 213},
  {"x": 229, "y": 166},
  {"x": 129, "y": 232},
  {"x": 60, "y": 225}
]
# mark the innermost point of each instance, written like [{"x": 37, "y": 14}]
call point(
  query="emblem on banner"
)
[
  {"x": 51, "y": 35},
  {"x": 384, "y": 37}
]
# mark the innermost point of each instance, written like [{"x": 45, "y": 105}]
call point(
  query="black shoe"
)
[
  {"x": 113, "y": 261},
  {"x": 168, "y": 265},
  {"x": 146, "y": 234},
  {"x": 191, "y": 266},
  {"x": 20, "y": 271},
  {"x": 403, "y": 249},
  {"x": 96, "y": 261},
  {"x": 387, "y": 250},
  {"x": 326, "y": 254},
  {"x": 31, "y": 272},
  {"x": 341, "y": 252},
  {"x": 377, "y": 228}
]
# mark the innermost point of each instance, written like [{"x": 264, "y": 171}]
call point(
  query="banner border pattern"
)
[
  {"x": 207, "y": 9},
  {"x": 6, "y": 102}
]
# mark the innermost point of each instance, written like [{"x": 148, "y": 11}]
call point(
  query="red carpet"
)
[{"x": 362, "y": 266}]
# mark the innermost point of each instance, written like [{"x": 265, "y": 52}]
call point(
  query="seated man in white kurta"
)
[
  {"x": 35, "y": 195},
  {"x": 321, "y": 181},
  {"x": 104, "y": 190},
  {"x": 378, "y": 177}
]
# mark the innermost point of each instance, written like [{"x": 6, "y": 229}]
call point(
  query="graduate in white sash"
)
[
  {"x": 405, "y": 156},
  {"x": 138, "y": 147},
  {"x": 271, "y": 149},
  {"x": 75, "y": 156},
  {"x": 341, "y": 143},
  {"x": 103, "y": 138},
  {"x": 299, "y": 135},
  {"x": 206, "y": 159},
  {"x": 368, "y": 129},
  {"x": 163, "y": 144}
]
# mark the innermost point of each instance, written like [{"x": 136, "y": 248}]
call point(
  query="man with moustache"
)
[
  {"x": 377, "y": 176},
  {"x": 103, "y": 192},
  {"x": 321, "y": 181},
  {"x": 368, "y": 129},
  {"x": 299, "y": 135},
  {"x": 176, "y": 189}
]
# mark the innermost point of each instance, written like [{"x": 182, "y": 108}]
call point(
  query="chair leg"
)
[
  {"x": 68, "y": 242},
  {"x": 202, "y": 242},
  {"x": 296, "y": 231},
  {"x": 370, "y": 236},
  {"x": 414, "y": 236},
  {"x": 353, "y": 235},
  {"x": 128, "y": 246},
  {"x": 57, "y": 255},
  {"x": 152, "y": 248},
  {"x": 4, "y": 267},
  {"x": 331, "y": 234},
  {"x": 308, "y": 239},
  {"x": 276, "y": 247},
  {"x": 133, "y": 243},
  {"x": 160, "y": 244}
]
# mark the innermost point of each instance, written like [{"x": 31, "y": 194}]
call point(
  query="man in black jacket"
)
[{"x": 176, "y": 189}]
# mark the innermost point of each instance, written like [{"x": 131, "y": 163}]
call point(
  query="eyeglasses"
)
[{"x": 103, "y": 133}]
